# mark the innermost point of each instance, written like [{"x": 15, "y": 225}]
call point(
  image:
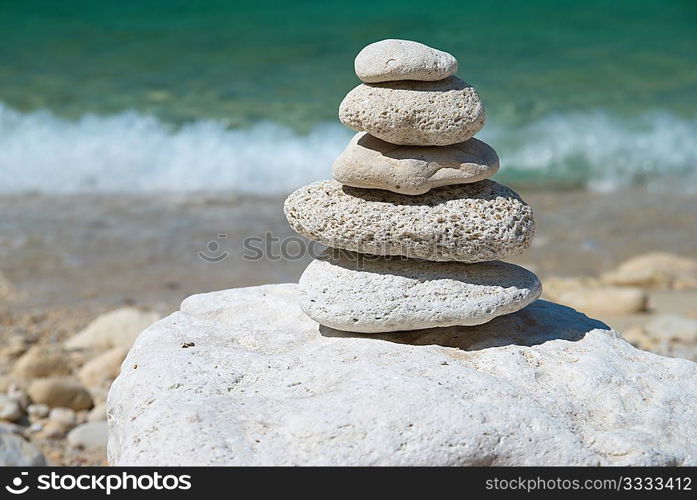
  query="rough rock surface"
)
[
  {"x": 475, "y": 222},
  {"x": 415, "y": 113},
  {"x": 264, "y": 384},
  {"x": 390, "y": 60},
  {"x": 352, "y": 292},
  {"x": 369, "y": 162}
]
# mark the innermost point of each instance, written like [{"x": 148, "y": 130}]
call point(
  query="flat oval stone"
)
[
  {"x": 468, "y": 222},
  {"x": 391, "y": 60},
  {"x": 415, "y": 113},
  {"x": 368, "y": 294},
  {"x": 369, "y": 162}
]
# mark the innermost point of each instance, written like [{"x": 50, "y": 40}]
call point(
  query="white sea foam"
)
[
  {"x": 129, "y": 152},
  {"x": 603, "y": 151}
]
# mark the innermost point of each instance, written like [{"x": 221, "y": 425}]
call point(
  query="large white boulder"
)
[{"x": 243, "y": 377}]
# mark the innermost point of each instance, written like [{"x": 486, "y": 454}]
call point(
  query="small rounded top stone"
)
[{"x": 391, "y": 60}]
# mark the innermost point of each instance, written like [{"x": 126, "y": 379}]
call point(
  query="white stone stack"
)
[{"x": 414, "y": 226}]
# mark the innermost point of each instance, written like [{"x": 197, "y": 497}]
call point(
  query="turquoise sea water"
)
[{"x": 172, "y": 94}]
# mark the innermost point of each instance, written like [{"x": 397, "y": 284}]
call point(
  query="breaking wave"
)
[{"x": 131, "y": 152}]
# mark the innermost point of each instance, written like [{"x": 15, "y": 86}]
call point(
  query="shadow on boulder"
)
[{"x": 536, "y": 324}]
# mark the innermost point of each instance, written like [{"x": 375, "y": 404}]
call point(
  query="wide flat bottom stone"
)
[
  {"x": 370, "y": 294},
  {"x": 243, "y": 377}
]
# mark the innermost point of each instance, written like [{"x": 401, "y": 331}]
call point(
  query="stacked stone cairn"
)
[{"x": 414, "y": 225}]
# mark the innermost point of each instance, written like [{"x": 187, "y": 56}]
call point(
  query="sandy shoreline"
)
[{"x": 115, "y": 250}]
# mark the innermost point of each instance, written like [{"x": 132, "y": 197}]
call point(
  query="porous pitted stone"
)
[
  {"x": 468, "y": 222},
  {"x": 415, "y": 113}
]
